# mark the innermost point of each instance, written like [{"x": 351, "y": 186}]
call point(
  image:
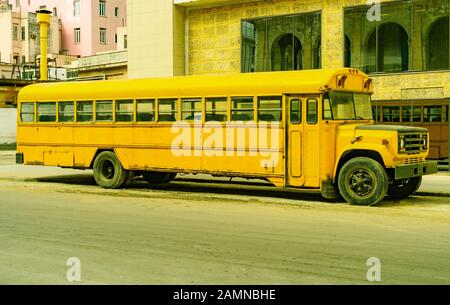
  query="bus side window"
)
[
  {"x": 124, "y": 110},
  {"x": 46, "y": 112},
  {"x": 167, "y": 110},
  {"x": 411, "y": 114},
  {"x": 242, "y": 109},
  {"x": 296, "y": 111},
  {"x": 391, "y": 114},
  {"x": 312, "y": 111},
  {"x": 66, "y": 112},
  {"x": 85, "y": 112},
  {"x": 145, "y": 110},
  {"x": 27, "y": 112},
  {"x": 216, "y": 109},
  {"x": 376, "y": 110},
  {"x": 103, "y": 111},
  {"x": 191, "y": 109},
  {"x": 432, "y": 114},
  {"x": 269, "y": 109}
]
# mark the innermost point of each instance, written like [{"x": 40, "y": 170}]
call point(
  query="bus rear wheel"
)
[
  {"x": 108, "y": 171},
  {"x": 402, "y": 189},
  {"x": 363, "y": 181},
  {"x": 158, "y": 177}
]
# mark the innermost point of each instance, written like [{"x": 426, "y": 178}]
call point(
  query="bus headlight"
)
[
  {"x": 425, "y": 142},
  {"x": 402, "y": 144}
]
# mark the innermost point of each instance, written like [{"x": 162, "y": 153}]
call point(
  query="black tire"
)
[
  {"x": 108, "y": 172},
  {"x": 402, "y": 189},
  {"x": 158, "y": 177},
  {"x": 363, "y": 181}
]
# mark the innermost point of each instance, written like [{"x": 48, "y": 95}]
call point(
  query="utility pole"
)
[
  {"x": 43, "y": 20},
  {"x": 448, "y": 134}
]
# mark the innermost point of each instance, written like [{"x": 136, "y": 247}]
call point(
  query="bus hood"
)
[{"x": 398, "y": 128}]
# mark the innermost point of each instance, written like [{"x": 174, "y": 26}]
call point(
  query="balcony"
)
[{"x": 110, "y": 59}]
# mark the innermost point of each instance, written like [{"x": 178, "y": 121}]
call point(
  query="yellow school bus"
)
[{"x": 300, "y": 129}]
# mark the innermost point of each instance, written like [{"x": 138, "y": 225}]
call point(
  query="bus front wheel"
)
[
  {"x": 158, "y": 177},
  {"x": 363, "y": 181},
  {"x": 402, "y": 189},
  {"x": 108, "y": 171}
]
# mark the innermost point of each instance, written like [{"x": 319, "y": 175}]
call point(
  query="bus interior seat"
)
[
  {"x": 216, "y": 117},
  {"x": 145, "y": 117},
  {"x": 47, "y": 118},
  {"x": 241, "y": 117},
  {"x": 124, "y": 118},
  {"x": 267, "y": 117},
  {"x": 166, "y": 118}
]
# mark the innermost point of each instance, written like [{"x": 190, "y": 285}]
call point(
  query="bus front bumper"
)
[{"x": 415, "y": 170}]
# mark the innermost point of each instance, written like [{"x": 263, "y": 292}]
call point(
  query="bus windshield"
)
[{"x": 347, "y": 106}]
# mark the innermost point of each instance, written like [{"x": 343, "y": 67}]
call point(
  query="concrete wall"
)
[
  {"x": 6, "y": 43},
  {"x": 121, "y": 34},
  {"x": 8, "y": 118},
  {"x": 155, "y": 38}
]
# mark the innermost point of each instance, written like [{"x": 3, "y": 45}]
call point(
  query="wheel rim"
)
[
  {"x": 361, "y": 183},
  {"x": 402, "y": 183},
  {"x": 108, "y": 170}
]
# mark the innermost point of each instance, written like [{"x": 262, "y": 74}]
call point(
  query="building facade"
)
[
  {"x": 87, "y": 26},
  {"x": 403, "y": 45},
  {"x": 102, "y": 66},
  {"x": 20, "y": 36}
]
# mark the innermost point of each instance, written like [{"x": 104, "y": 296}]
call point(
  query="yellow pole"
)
[{"x": 43, "y": 20}]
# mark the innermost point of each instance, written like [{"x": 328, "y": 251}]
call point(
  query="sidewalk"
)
[{"x": 434, "y": 185}]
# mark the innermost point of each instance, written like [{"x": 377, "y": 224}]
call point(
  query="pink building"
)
[{"x": 88, "y": 26}]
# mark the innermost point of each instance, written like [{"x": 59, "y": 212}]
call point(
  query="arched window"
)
[
  {"x": 347, "y": 52},
  {"x": 438, "y": 45},
  {"x": 287, "y": 53},
  {"x": 387, "y": 49}
]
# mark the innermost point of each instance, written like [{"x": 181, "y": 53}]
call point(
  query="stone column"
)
[
  {"x": 332, "y": 34},
  {"x": 156, "y": 35},
  {"x": 416, "y": 42}
]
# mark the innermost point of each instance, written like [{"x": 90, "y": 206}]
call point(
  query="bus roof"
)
[{"x": 265, "y": 83}]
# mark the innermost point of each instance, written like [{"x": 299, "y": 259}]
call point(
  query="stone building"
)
[
  {"x": 406, "y": 50},
  {"x": 403, "y": 45}
]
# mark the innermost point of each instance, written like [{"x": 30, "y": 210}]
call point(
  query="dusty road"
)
[{"x": 208, "y": 233}]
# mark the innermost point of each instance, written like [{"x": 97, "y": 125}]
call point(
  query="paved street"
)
[{"x": 205, "y": 232}]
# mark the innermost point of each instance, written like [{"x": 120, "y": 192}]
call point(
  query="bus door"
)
[
  {"x": 311, "y": 142},
  {"x": 303, "y": 141},
  {"x": 294, "y": 129}
]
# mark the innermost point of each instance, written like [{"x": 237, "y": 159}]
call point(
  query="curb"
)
[
  {"x": 8, "y": 147},
  {"x": 430, "y": 194}
]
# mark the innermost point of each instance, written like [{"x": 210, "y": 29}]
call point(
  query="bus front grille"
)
[{"x": 415, "y": 142}]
